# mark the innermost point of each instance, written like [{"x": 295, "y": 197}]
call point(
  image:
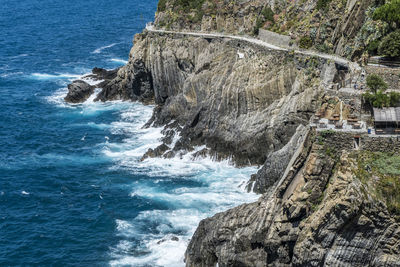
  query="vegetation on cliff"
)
[
  {"x": 390, "y": 45},
  {"x": 384, "y": 37},
  {"x": 378, "y": 98},
  {"x": 389, "y": 12},
  {"x": 381, "y": 172},
  {"x": 266, "y": 16}
]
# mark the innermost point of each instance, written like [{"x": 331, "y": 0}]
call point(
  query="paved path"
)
[{"x": 352, "y": 65}]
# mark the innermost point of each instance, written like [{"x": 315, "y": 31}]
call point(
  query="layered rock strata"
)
[
  {"x": 240, "y": 100},
  {"x": 318, "y": 214}
]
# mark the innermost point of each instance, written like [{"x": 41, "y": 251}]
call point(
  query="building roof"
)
[{"x": 387, "y": 114}]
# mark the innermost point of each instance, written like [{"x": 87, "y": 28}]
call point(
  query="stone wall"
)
[
  {"x": 345, "y": 141},
  {"x": 381, "y": 144},
  {"x": 275, "y": 38},
  {"x": 336, "y": 140}
]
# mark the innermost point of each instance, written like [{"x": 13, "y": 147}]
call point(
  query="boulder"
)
[{"x": 79, "y": 91}]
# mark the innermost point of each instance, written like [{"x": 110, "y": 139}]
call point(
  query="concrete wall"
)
[{"x": 275, "y": 38}]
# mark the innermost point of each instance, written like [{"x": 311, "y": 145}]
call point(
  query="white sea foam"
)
[
  {"x": 21, "y": 55},
  {"x": 11, "y": 74},
  {"x": 25, "y": 193},
  {"x": 159, "y": 237},
  {"x": 99, "y": 50},
  {"x": 58, "y": 96},
  {"x": 164, "y": 234},
  {"x": 46, "y": 76},
  {"x": 118, "y": 60}
]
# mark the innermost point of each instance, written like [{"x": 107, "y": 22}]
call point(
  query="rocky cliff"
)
[
  {"x": 325, "y": 211},
  {"x": 343, "y": 27},
  {"x": 240, "y": 100}
]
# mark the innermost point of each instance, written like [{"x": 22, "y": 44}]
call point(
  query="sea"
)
[{"x": 73, "y": 191}]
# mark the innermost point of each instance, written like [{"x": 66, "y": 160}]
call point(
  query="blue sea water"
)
[{"x": 73, "y": 191}]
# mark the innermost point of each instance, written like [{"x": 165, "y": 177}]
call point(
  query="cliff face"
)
[
  {"x": 202, "y": 15},
  {"x": 242, "y": 101},
  {"x": 252, "y": 105},
  {"x": 334, "y": 26},
  {"x": 319, "y": 214}
]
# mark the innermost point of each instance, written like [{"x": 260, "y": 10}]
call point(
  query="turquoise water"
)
[{"x": 72, "y": 189}]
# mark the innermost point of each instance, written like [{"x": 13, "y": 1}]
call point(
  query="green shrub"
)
[
  {"x": 390, "y": 45},
  {"x": 387, "y": 164},
  {"x": 188, "y": 5},
  {"x": 373, "y": 47},
  {"x": 161, "y": 5},
  {"x": 323, "y": 48},
  {"x": 375, "y": 83},
  {"x": 389, "y": 12},
  {"x": 381, "y": 171},
  {"x": 266, "y": 15},
  {"x": 305, "y": 42},
  {"x": 394, "y": 98},
  {"x": 327, "y": 133},
  {"x": 323, "y": 4}
]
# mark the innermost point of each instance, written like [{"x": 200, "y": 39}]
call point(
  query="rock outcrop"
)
[
  {"x": 79, "y": 90},
  {"x": 318, "y": 214},
  {"x": 238, "y": 17},
  {"x": 276, "y": 163},
  {"x": 331, "y": 26}
]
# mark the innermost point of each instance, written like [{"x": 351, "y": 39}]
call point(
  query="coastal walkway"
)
[{"x": 353, "y": 66}]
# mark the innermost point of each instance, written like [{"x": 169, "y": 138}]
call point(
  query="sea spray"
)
[{"x": 188, "y": 189}]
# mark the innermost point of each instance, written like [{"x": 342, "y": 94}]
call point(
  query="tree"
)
[
  {"x": 389, "y": 12},
  {"x": 375, "y": 83},
  {"x": 390, "y": 45},
  {"x": 380, "y": 99},
  {"x": 394, "y": 98}
]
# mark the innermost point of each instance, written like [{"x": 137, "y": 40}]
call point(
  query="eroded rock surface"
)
[
  {"x": 319, "y": 214},
  {"x": 242, "y": 108},
  {"x": 276, "y": 163}
]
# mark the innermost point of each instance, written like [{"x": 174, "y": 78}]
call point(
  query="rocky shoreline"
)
[
  {"x": 253, "y": 106},
  {"x": 240, "y": 108}
]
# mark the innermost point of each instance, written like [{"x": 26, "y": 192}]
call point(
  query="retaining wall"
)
[
  {"x": 275, "y": 38},
  {"x": 345, "y": 141}
]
